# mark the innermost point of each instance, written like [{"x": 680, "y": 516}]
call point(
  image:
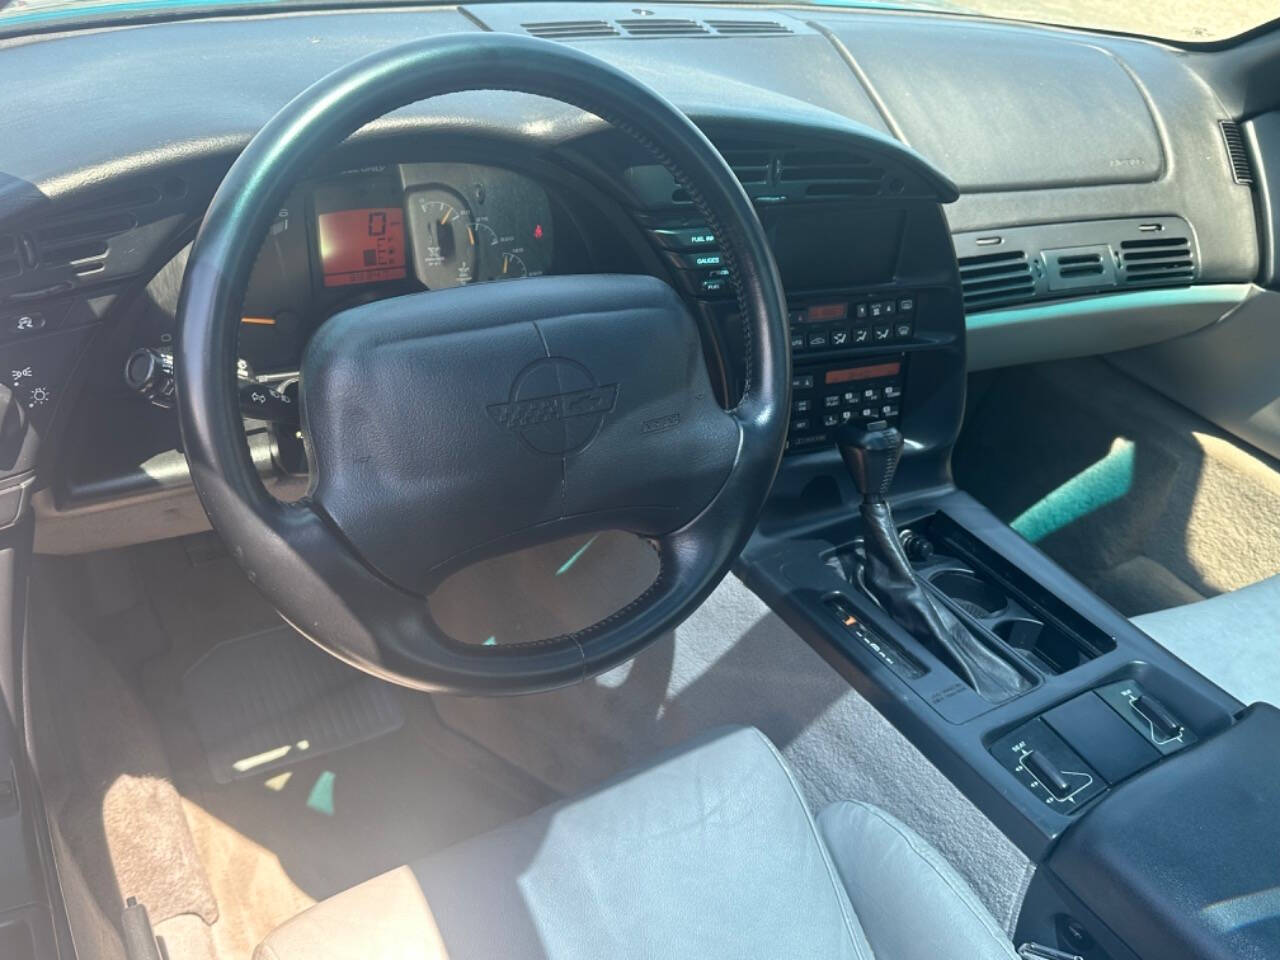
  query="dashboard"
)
[
  {"x": 938, "y": 201},
  {"x": 384, "y": 230},
  {"x": 917, "y": 237}
]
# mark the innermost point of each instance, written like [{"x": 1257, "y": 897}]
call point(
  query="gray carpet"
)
[
  {"x": 137, "y": 807},
  {"x": 117, "y": 818},
  {"x": 734, "y": 661},
  {"x": 273, "y": 843},
  {"x": 279, "y": 839},
  {"x": 1145, "y": 502},
  {"x": 260, "y": 702}
]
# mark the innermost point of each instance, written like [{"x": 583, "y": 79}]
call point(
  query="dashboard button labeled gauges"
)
[{"x": 444, "y": 236}]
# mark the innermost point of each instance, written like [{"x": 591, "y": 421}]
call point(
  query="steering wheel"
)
[{"x": 449, "y": 426}]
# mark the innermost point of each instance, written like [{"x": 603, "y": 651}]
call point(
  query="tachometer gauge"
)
[{"x": 444, "y": 238}]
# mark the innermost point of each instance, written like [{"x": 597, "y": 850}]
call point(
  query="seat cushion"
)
[
  {"x": 709, "y": 853},
  {"x": 910, "y": 903},
  {"x": 1233, "y": 639}
]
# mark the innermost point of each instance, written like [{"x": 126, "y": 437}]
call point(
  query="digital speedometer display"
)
[{"x": 361, "y": 246}]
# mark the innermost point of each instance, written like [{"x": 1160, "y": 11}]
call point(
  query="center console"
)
[
  {"x": 1100, "y": 708},
  {"x": 1069, "y": 728},
  {"x": 922, "y": 597}
]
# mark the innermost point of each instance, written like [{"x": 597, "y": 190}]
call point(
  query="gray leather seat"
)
[
  {"x": 708, "y": 853},
  {"x": 1233, "y": 639}
]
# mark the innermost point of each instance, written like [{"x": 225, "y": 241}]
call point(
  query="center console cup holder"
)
[
  {"x": 973, "y": 594},
  {"x": 1045, "y": 644},
  {"x": 1024, "y": 616}
]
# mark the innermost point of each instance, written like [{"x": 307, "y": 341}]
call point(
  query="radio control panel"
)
[{"x": 826, "y": 395}]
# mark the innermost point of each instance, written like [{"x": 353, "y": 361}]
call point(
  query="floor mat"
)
[
  {"x": 275, "y": 843},
  {"x": 271, "y": 699},
  {"x": 1145, "y": 502}
]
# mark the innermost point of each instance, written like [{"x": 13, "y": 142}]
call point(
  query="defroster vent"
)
[
  {"x": 749, "y": 28},
  {"x": 649, "y": 27},
  {"x": 1237, "y": 153},
  {"x": 659, "y": 27},
  {"x": 571, "y": 29}
]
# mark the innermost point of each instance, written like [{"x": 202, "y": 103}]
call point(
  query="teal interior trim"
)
[
  {"x": 1097, "y": 485},
  {"x": 1216, "y": 294},
  {"x": 41, "y": 13},
  {"x": 321, "y": 798},
  {"x": 577, "y": 555}
]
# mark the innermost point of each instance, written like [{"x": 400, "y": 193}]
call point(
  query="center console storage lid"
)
[{"x": 1184, "y": 860}]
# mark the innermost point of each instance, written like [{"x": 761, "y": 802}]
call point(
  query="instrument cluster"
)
[{"x": 382, "y": 231}]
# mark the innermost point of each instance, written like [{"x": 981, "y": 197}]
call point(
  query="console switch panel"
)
[
  {"x": 1163, "y": 729},
  {"x": 1090, "y": 726},
  {"x": 1044, "y": 764}
]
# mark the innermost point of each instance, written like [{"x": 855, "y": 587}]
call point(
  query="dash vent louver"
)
[
  {"x": 1049, "y": 261},
  {"x": 831, "y": 173},
  {"x": 749, "y": 28},
  {"x": 570, "y": 29},
  {"x": 81, "y": 238},
  {"x": 1237, "y": 153},
  {"x": 662, "y": 27},
  {"x": 1159, "y": 260},
  {"x": 644, "y": 28},
  {"x": 1080, "y": 265},
  {"x": 996, "y": 279},
  {"x": 802, "y": 173},
  {"x": 750, "y": 164}
]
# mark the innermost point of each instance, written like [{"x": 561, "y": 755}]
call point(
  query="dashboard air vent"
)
[
  {"x": 570, "y": 29},
  {"x": 1080, "y": 265},
  {"x": 750, "y": 28},
  {"x": 1162, "y": 260},
  {"x": 659, "y": 27},
  {"x": 996, "y": 279},
  {"x": 1241, "y": 169},
  {"x": 81, "y": 238},
  {"x": 750, "y": 164},
  {"x": 82, "y": 242},
  {"x": 10, "y": 257},
  {"x": 831, "y": 173}
]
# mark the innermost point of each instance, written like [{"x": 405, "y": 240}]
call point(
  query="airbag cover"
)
[
  {"x": 1007, "y": 109},
  {"x": 461, "y": 423}
]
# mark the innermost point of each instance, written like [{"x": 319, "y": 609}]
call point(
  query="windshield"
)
[{"x": 1190, "y": 21}]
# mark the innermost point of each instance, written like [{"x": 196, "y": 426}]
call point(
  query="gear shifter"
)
[{"x": 872, "y": 459}]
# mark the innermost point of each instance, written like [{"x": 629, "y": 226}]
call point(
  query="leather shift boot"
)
[{"x": 889, "y": 577}]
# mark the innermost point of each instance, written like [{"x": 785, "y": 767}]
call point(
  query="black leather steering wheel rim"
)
[{"x": 298, "y": 554}]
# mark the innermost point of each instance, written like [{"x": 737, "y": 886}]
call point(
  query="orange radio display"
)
[
  {"x": 862, "y": 373},
  {"x": 362, "y": 246}
]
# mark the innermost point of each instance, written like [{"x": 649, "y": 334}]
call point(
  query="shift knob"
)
[{"x": 871, "y": 457}]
